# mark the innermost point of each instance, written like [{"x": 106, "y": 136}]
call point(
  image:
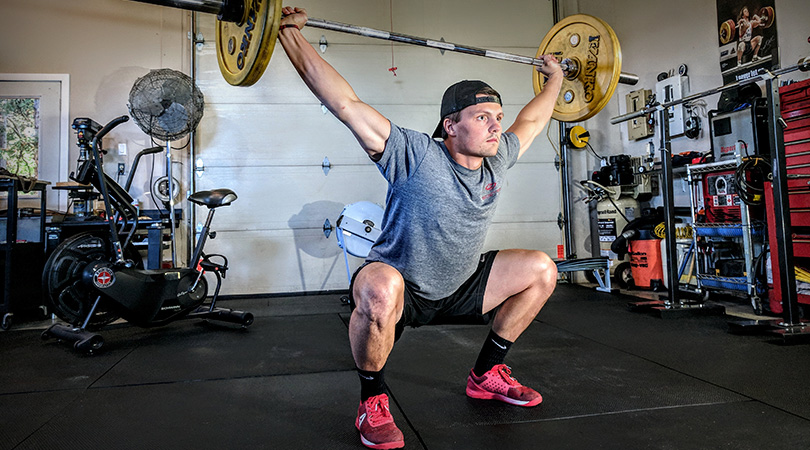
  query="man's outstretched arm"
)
[
  {"x": 535, "y": 115},
  {"x": 370, "y": 128}
]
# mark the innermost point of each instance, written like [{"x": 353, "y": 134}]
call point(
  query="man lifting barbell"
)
[
  {"x": 748, "y": 43},
  {"x": 431, "y": 270}
]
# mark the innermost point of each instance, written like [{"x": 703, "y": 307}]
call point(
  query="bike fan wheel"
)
[{"x": 62, "y": 283}]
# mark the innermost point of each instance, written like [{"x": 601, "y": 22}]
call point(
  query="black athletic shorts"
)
[{"x": 464, "y": 306}]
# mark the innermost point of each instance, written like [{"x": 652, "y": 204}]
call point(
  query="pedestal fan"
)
[{"x": 167, "y": 106}]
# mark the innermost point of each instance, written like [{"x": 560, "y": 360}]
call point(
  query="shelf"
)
[
  {"x": 725, "y": 229},
  {"x": 727, "y": 283},
  {"x": 711, "y": 167}
]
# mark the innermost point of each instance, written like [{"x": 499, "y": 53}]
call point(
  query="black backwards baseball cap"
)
[{"x": 461, "y": 95}]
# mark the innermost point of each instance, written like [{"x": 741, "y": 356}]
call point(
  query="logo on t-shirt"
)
[{"x": 492, "y": 190}]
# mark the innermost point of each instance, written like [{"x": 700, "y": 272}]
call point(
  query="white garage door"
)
[{"x": 267, "y": 142}]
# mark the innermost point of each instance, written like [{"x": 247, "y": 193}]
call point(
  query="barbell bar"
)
[{"x": 586, "y": 46}]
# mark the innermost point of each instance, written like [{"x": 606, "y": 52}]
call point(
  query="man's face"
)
[{"x": 478, "y": 131}]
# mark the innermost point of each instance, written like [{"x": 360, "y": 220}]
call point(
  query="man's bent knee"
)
[
  {"x": 545, "y": 268},
  {"x": 379, "y": 294}
]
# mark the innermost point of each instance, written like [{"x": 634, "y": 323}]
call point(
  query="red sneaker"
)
[
  {"x": 376, "y": 425},
  {"x": 498, "y": 384}
]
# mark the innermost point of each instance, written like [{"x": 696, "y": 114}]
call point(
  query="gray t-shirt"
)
[{"x": 437, "y": 212}]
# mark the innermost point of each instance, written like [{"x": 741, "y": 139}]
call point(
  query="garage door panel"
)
[
  {"x": 542, "y": 236},
  {"x": 252, "y": 134},
  {"x": 281, "y": 261},
  {"x": 529, "y": 194},
  {"x": 305, "y": 260},
  {"x": 421, "y": 77},
  {"x": 290, "y": 197},
  {"x": 525, "y": 198}
]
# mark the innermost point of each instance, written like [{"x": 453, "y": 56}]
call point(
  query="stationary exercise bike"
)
[{"x": 95, "y": 277}]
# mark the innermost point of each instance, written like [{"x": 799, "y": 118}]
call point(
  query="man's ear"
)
[{"x": 449, "y": 127}]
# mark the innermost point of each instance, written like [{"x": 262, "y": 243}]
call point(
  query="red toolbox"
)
[{"x": 795, "y": 109}]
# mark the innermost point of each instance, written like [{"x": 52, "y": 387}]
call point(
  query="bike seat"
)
[{"x": 214, "y": 198}]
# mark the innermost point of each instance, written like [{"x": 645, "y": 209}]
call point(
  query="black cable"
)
[
  {"x": 588, "y": 144},
  {"x": 745, "y": 146},
  {"x": 751, "y": 192},
  {"x": 760, "y": 272},
  {"x": 184, "y": 146}
]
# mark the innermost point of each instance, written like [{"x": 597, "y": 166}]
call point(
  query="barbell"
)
[{"x": 587, "y": 47}]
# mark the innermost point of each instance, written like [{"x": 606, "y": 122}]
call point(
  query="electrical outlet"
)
[{"x": 121, "y": 168}]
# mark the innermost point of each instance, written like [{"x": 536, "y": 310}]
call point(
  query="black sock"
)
[
  {"x": 492, "y": 353},
  {"x": 371, "y": 383}
]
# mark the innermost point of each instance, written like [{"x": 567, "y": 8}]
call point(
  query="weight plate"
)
[
  {"x": 595, "y": 47},
  {"x": 244, "y": 49},
  {"x": 766, "y": 16},
  {"x": 727, "y": 31},
  {"x": 160, "y": 189}
]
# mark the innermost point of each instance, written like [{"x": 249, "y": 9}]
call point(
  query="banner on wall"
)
[{"x": 747, "y": 38}]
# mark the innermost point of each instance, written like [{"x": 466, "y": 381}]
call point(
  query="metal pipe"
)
[
  {"x": 628, "y": 78},
  {"x": 191, "y": 217},
  {"x": 170, "y": 190},
  {"x": 565, "y": 181},
  {"x": 565, "y": 191},
  {"x": 669, "y": 209}
]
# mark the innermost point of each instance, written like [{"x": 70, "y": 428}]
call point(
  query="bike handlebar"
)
[
  {"x": 109, "y": 126},
  {"x": 151, "y": 150}
]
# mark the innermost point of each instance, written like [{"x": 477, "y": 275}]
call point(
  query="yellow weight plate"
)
[
  {"x": 244, "y": 49},
  {"x": 727, "y": 31},
  {"x": 594, "y": 46}
]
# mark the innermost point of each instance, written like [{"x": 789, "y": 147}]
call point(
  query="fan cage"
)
[{"x": 166, "y": 104}]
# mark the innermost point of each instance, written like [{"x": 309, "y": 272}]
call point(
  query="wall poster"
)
[{"x": 747, "y": 38}]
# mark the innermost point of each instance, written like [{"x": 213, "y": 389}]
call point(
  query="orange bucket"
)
[{"x": 645, "y": 261}]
